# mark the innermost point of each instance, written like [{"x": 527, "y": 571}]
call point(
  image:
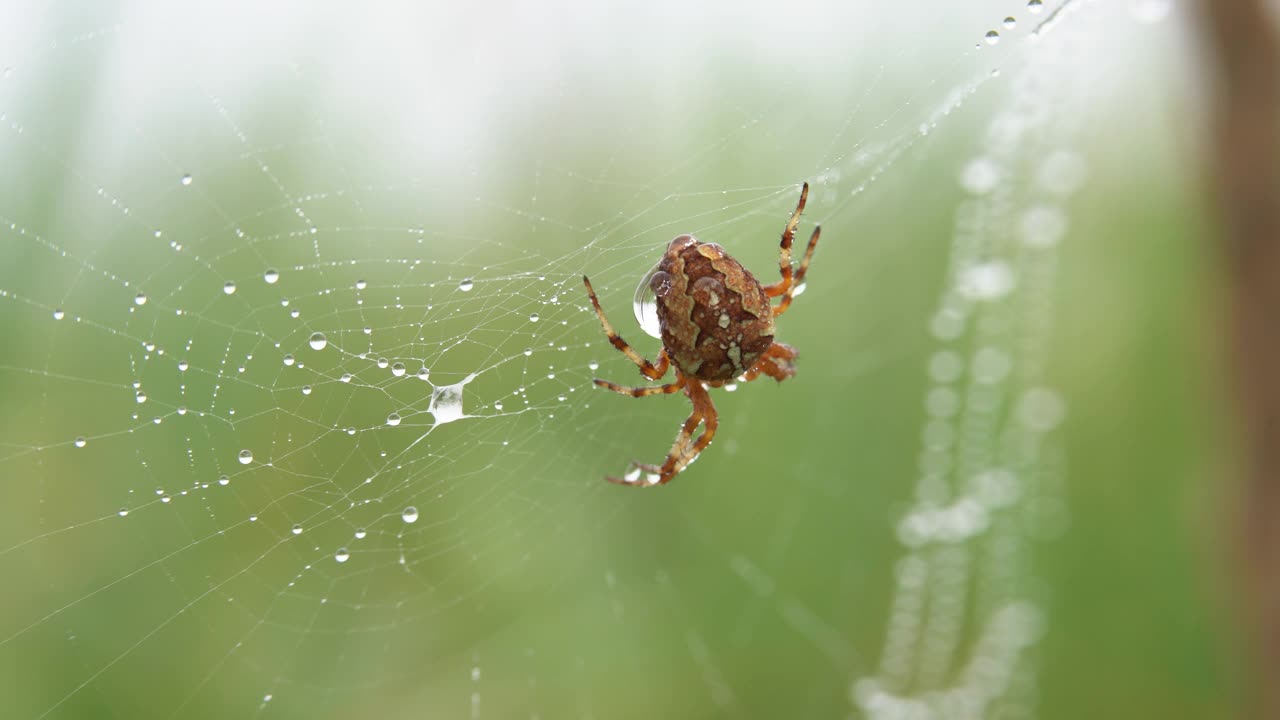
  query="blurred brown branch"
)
[{"x": 1241, "y": 45}]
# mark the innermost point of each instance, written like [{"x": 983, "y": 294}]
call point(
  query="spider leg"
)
[
  {"x": 800, "y": 273},
  {"x": 641, "y": 391},
  {"x": 784, "y": 249},
  {"x": 778, "y": 362},
  {"x": 653, "y": 371},
  {"x": 678, "y": 449},
  {"x": 684, "y": 450}
]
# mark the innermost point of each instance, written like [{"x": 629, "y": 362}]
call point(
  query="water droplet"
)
[
  {"x": 980, "y": 176},
  {"x": 1010, "y": 23},
  {"x": 393, "y": 419},
  {"x": 123, "y": 512},
  {"x": 466, "y": 285},
  {"x": 383, "y": 363},
  {"x": 342, "y": 555},
  {"x": 224, "y": 480},
  {"x": 644, "y": 304},
  {"x": 141, "y": 397},
  {"x": 246, "y": 457},
  {"x": 318, "y": 341},
  {"x": 1063, "y": 172},
  {"x": 398, "y": 369},
  {"x": 306, "y": 389},
  {"x": 140, "y": 299},
  {"x": 1035, "y": 6},
  {"x": 990, "y": 280},
  {"x": 730, "y": 387},
  {"x": 446, "y": 402},
  {"x": 166, "y": 499},
  {"x": 346, "y": 377},
  {"x": 186, "y": 179},
  {"x": 947, "y": 324},
  {"x": 182, "y": 366},
  {"x": 946, "y": 366},
  {"x": 534, "y": 317},
  {"x": 424, "y": 373},
  {"x": 58, "y": 314},
  {"x": 229, "y": 288},
  {"x": 1041, "y": 409},
  {"x": 271, "y": 276},
  {"x": 361, "y": 284},
  {"x": 942, "y": 402},
  {"x": 367, "y": 330},
  {"x": 289, "y": 360},
  {"x": 410, "y": 514},
  {"x": 81, "y": 442},
  {"x": 296, "y": 529},
  {"x": 593, "y": 366},
  {"x": 991, "y": 365},
  {"x": 992, "y": 37},
  {"x": 1042, "y": 226}
]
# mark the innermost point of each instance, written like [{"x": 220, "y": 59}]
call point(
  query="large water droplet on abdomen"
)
[{"x": 645, "y": 304}]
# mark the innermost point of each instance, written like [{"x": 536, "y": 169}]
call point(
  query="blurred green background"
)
[{"x": 1012, "y": 278}]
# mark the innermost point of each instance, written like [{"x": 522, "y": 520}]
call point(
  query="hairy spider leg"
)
[
  {"x": 683, "y": 451},
  {"x": 653, "y": 371},
  {"x": 800, "y": 272},
  {"x": 784, "y": 248},
  {"x": 778, "y": 362},
  {"x": 640, "y": 391}
]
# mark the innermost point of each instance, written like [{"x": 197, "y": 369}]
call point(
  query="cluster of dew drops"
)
[
  {"x": 317, "y": 341},
  {"x": 1011, "y": 23},
  {"x": 1144, "y": 11}
]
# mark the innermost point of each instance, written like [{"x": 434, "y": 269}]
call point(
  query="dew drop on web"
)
[{"x": 645, "y": 305}]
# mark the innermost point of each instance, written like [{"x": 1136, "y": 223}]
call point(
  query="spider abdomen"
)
[{"x": 715, "y": 318}]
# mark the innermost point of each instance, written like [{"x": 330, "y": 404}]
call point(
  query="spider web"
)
[{"x": 298, "y": 412}]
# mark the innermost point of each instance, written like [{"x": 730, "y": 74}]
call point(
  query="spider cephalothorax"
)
[{"x": 716, "y": 323}]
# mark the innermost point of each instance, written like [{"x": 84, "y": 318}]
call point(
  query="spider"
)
[{"x": 716, "y": 323}]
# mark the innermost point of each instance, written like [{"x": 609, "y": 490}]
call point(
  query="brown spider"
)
[{"x": 716, "y": 322}]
